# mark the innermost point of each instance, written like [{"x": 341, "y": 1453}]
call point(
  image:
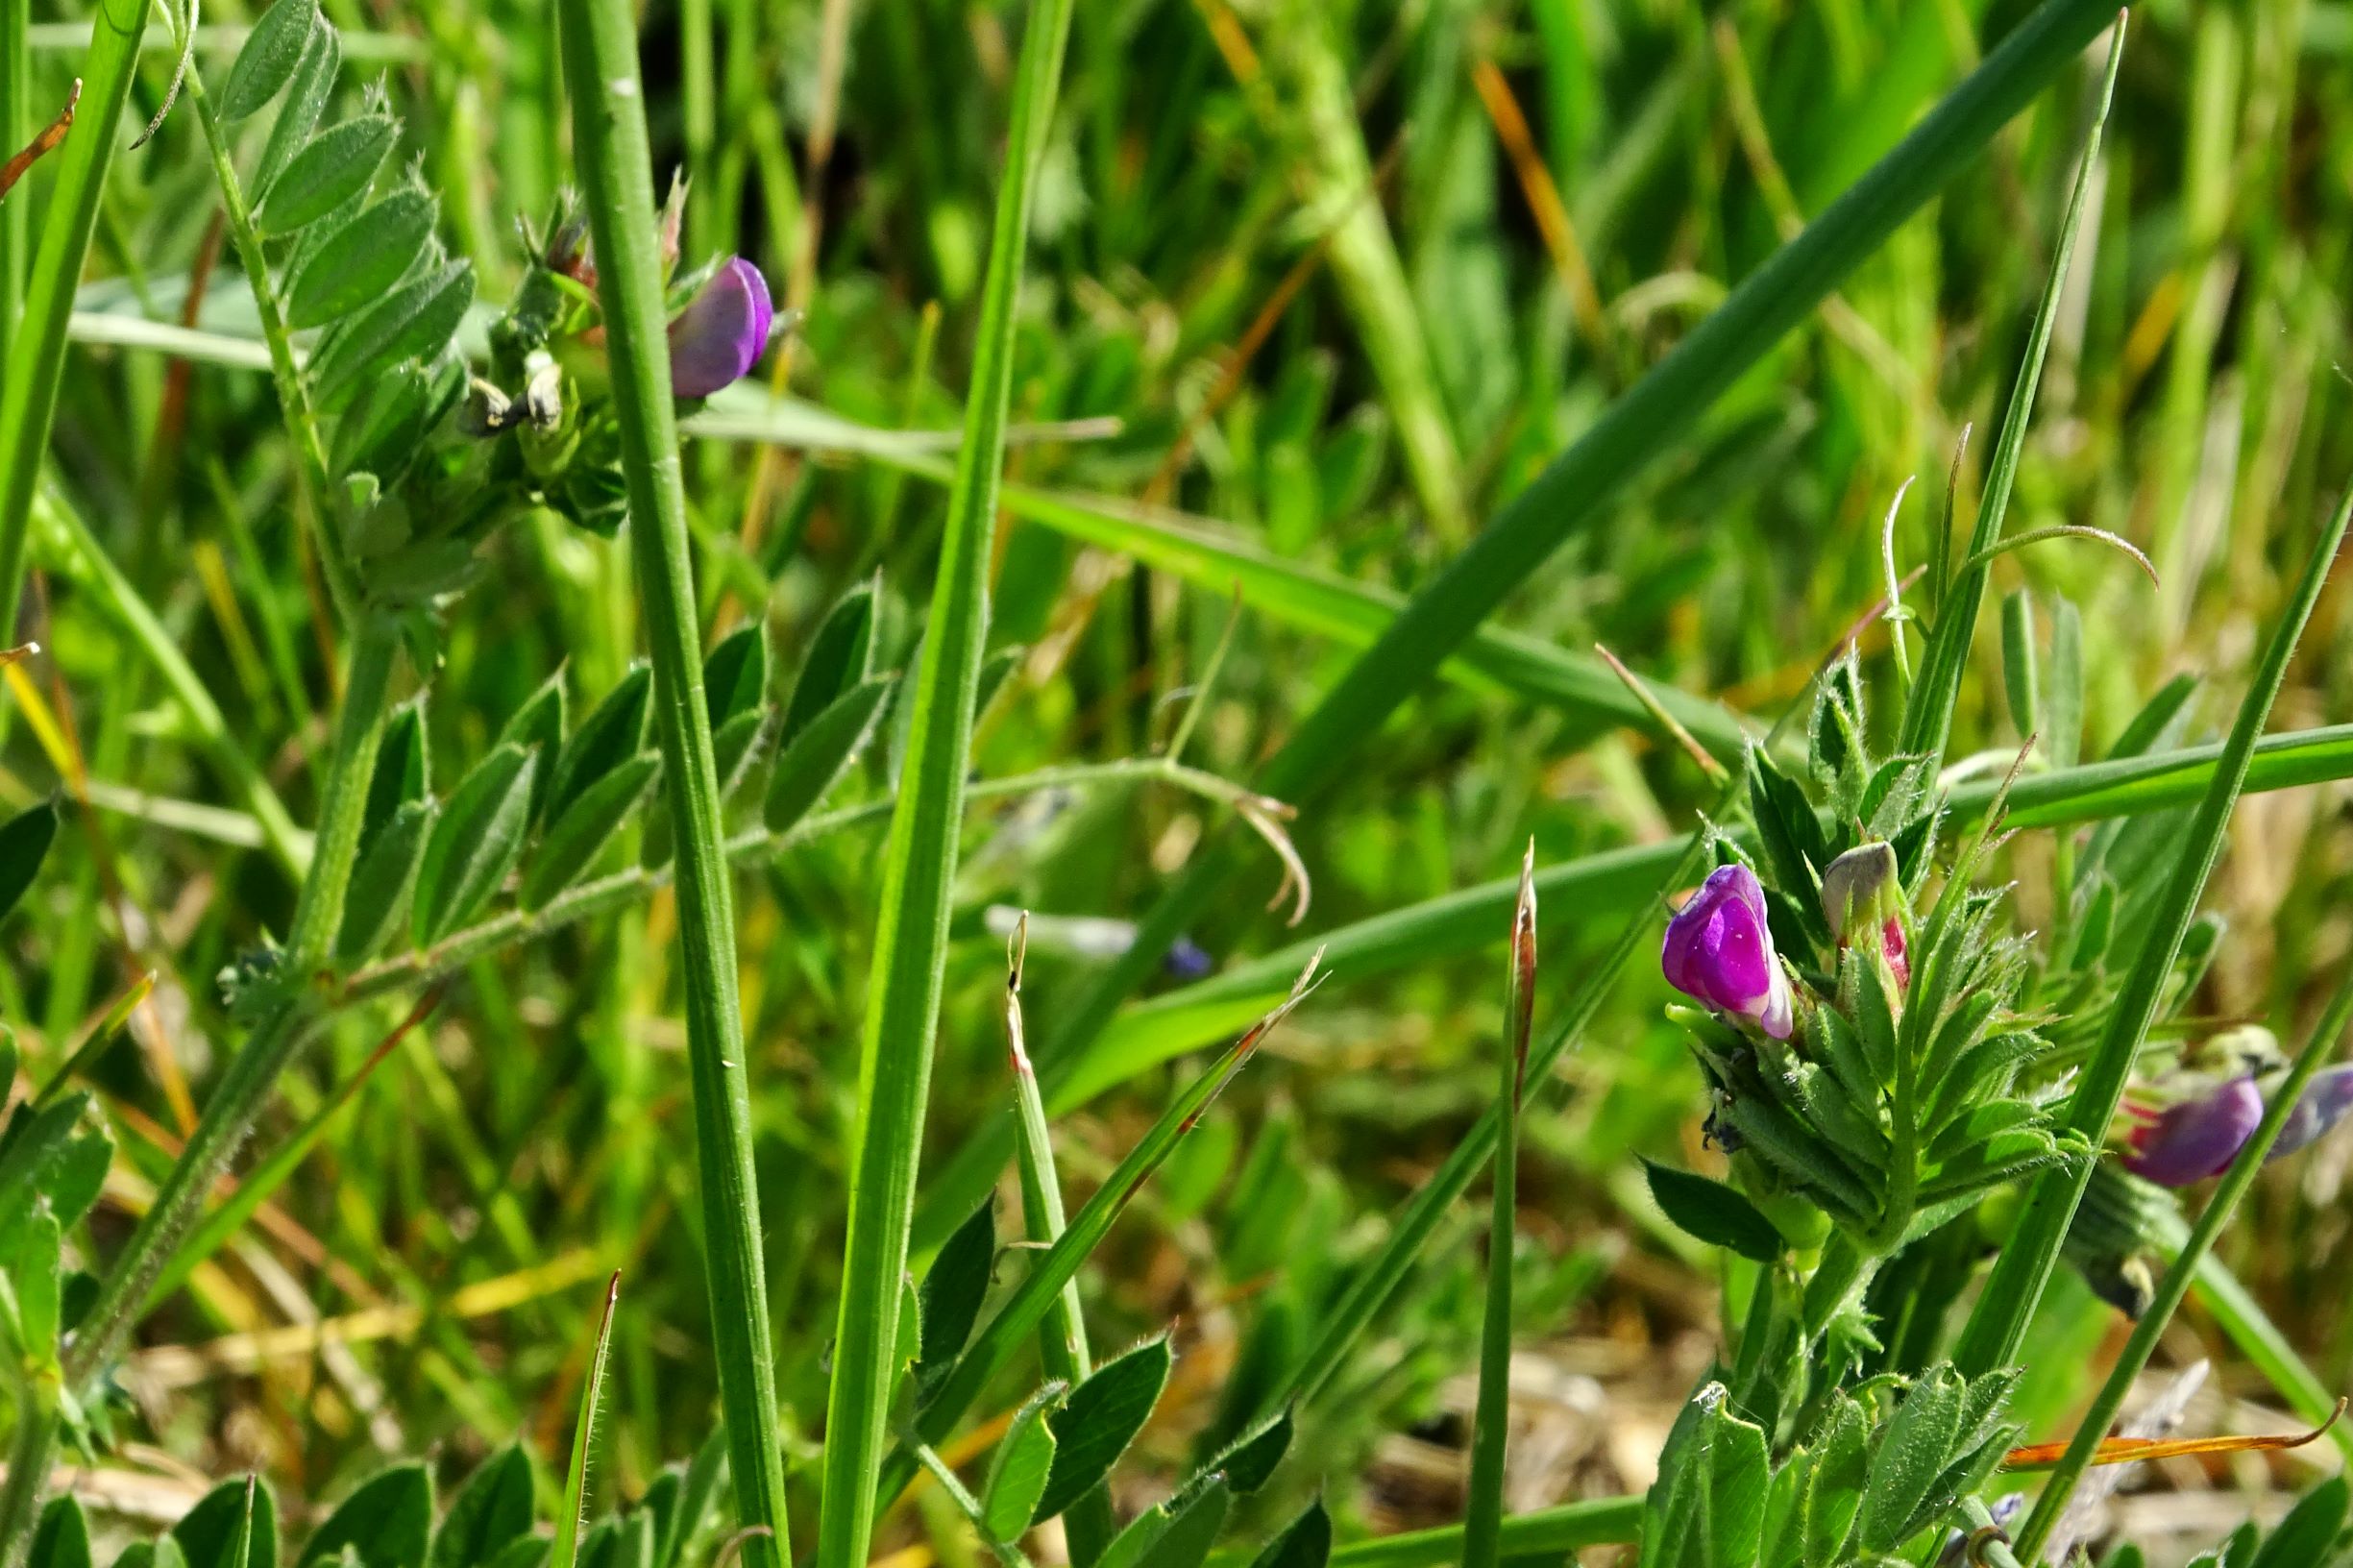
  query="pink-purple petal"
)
[
  {"x": 721, "y": 333},
  {"x": 1719, "y": 950},
  {"x": 2198, "y": 1138}
]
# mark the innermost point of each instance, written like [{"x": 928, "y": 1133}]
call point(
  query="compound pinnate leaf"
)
[{"x": 415, "y": 321}]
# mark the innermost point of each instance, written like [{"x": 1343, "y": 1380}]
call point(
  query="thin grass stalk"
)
[
  {"x": 1539, "y": 1534},
  {"x": 1088, "y": 1525},
  {"x": 16, "y": 130},
  {"x": 1997, "y": 1324},
  {"x": 2102, "y": 1411},
  {"x": 1638, "y": 428},
  {"x": 573, "y": 1514},
  {"x": 1927, "y": 716},
  {"x": 598, "y": 42},
  {"x": 36, "y": 348},
  {"x": 919, "y": 859},
  {"x": 1491, "y": 1425}
]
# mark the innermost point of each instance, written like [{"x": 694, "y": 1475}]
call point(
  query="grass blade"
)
[
  {"x": 600, "y": 59},
  {"x": 2101, "y": 1415},
  {"x": 570, "y": 1517},
  {"x": 37, "y": 345},
  {"x": 1634, "y": 432},
  {"x": 1991, "y": 1337},
  {"x": 1927, "y": 716},
  {"x": 1019, "y": 1318},
  {"x": 1490, "y": 1429},
  {"x": 920, "y": 860}
]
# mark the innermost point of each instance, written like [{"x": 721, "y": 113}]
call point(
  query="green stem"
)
[
  {"x": 2102, "y": 1412},
  {"x": 16, "y": 130},
  {"x": 36, "y": 350},
  {"x": 302, "y": 418},
  {"x": 245, "y": 1085},
  {"x": 918, "y": 867},
  {"x": 1062, "y": 1337},
  {"x": 599, "y": 40},
  {"x": 1490, "y": 1429}
]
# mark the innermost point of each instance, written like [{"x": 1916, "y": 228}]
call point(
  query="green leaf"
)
[
  {"x": 735, "y": 749},
  {"x": 2306, "y": 1535},
  {"x": 272, "y": 51},
  {"x": 1716, "y": 1213},
  {"x": 402, "y": 773},
  {"x": 1833, "y": 1495},
  {"x": 388, "y": 1518},
  {"x": 841, "y": 656},
  {"x": 953, "y": 1290},
  {"x": 491, "y": 1511},
  {"x": 735, "y": 675},
  {"x": 63, "y": 1539},
  {"x": 2021, "y": 682},
  {"x": 703, "y": 1475},
  {"x": 1305, "y": 1542},
  {"x": 209, "y": 1534},
  {"x": 38, "y": 1260},
  {"x": 415, "y": 321},
  {"x": 1249, "y": 1462},
  {"x": 613, "y": 732},
  {"x": 538, "y": 726},
  {"x": 586, "y": 826},
  {"x": 1706, "y": 1510},
  {"x": 812, "y": 762},
  {"x": 475, "y": 843},
  {"x": 1100, "y": 1418},
  {"x": 2063, "y": 691},
  {"x": 314, "y": 82},
  {"x": 362, "y": 258},
  {"x": 530, "y": 1552},
  {"x": 24, "y": 843},
  {"x": 1024, "y": 1457},
  {"x": 1914, "y": 1449},
  {"x": 335, "y": 166},
  {"x": 382, "y": 881},
  {"x": 1182, "y": 1536}
]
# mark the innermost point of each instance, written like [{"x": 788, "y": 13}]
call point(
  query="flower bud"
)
[
  {"x": 1862, "y": 897},
  {"x": 2195, "y": 1139},
  {"x": 721, "y": 333},
  {"x": 1719, "y": 950}
]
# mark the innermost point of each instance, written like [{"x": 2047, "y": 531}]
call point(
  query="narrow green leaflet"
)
[
  {"x": 268, "y": 63},
  {"x": 388, "y": 1520},
  {"x": 814, "y": 758},
  {"x": 1099, "y": 1419},
  {"x": 1718, "y": 1214},
  {"x": 574, "y": 839},
  {"x": 1024, "y": 1459},
  {"x": 24, "y": 843},
  {"x": 475, "y": 843}
]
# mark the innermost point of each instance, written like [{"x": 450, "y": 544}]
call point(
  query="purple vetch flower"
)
[
  {"x": 1862, "y": 894},
  {"x": 2195, "y": 1139},
  {"x": 722, "y": 331},
  {"x": 2321, "y": 1106},
  {"x": 1719, "y": 950},
  {"x": 1188, "y": 960}
]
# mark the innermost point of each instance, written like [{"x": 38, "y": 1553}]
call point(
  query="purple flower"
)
[
  {"x": 2193, "y": 1139},
  {"x": 1719, "y": 950},
  {"x": 1188, "y": 960},
  {"x": 721, "y": 333},
  {"x": 2321, "y": 1106}
]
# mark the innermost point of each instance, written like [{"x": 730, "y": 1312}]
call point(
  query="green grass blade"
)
[
  {"x": 36, "y": 348},
  {"x": 1493, "y": 660},
  {"x": 920, "y": 860},
  {"x": 1639, "y": 428},
  {"x": 601, "y": 67},
  {"x": 1543, "y": 1534},
  {"x": 572, "y": 1513},
  {"x": 1062, "y": 1338},
  {"x": 1927, "y": 716},
  {"x": 2102, "y": 1412},
  {"x": 1491, "y": 1425},
  {"x": 1999, "y": 1322},
  {"x": 1030, "y": 1303}
]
